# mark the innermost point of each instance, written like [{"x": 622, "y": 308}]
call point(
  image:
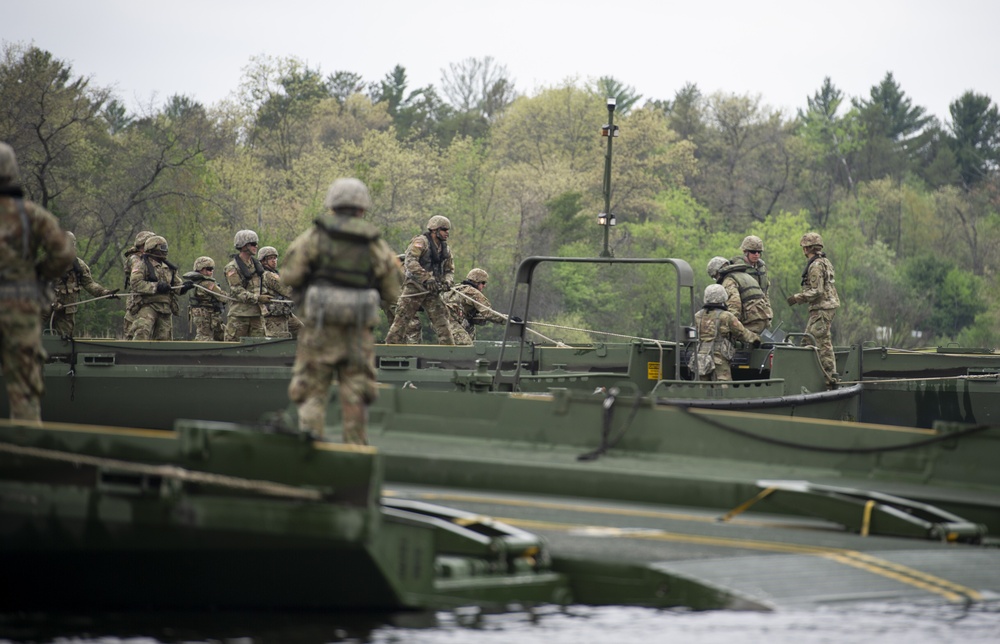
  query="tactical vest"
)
[
  {"x": 246, "y": 275},
  {"x": 199, "y": 298},
  {"x": 345, "y": 257},
  {"x": 433, "y": 260},
  {"x": 749, "y": 289},
  {"x": 16, "y": 246}
]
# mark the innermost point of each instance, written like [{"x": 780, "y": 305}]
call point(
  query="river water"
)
[{"x": 845, "y": 624}]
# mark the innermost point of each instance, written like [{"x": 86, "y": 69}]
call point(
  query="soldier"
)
[
  {"x": 207, "y": 302},
  {"x": 132, "y": 258},
  {"x": 25, "y": 227},
  {"x": 157, "y": 284},
  {"x": 340, "y": 268},
  {"x": 430, "y": 270},
  {"x": 469, "y": 307},
  {"x": 412, "y": 333},
  {"x": 753, "y": 256},
  {"x": 819, "y": 291},
  {"x": 278, "y": 321},
  {"x": 246, "y": 285},
  {"x": 62, "y": 319},
  {"x": 744, "y": 297},
  {"x": 717, "y": 328}
]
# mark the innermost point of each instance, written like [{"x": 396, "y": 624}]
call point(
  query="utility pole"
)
[{"x": 607, "y": 219}]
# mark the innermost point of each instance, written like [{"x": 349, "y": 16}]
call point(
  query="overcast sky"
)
[{"x": 779, "y": 49}]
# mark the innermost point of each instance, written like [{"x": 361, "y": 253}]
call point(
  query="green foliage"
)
[{"x": 891, "y": 190}]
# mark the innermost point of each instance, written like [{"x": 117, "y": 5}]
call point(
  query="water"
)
[{"x": 846, "y": 624}]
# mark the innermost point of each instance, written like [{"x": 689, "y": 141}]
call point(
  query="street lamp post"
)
[{"x": 607, "y": 219}]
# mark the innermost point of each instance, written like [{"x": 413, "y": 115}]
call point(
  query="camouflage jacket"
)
[
  {"x": 470, "y": 313},
  {"x": 818, "y": 287},
  {"x": 246, "y": 286},
  {"x": 67, "y": 287}
]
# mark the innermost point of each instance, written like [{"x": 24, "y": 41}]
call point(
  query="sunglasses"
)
[
  {"x": 754, "y": 252},
  {"x": 443, "y": 228}
]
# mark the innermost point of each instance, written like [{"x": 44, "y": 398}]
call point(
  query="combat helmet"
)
[
  {"x": 752, "y": 242},
  {"x": 348, "y": 193},
  {"x": 811, "y": 239},
  {"x": 9, "y": 174},
  {"x": 243, "y": 238},
  {"x": 140, "y": 239},
  {"x": 156, "y": 246},
  {"x": 438, "y": 221},
  {"x": 203, "y": 262},
  {"x": 72, "y": 238},
  {"x": 267, "y": 251},
  {"x": 477, "y": 275},
  {"x": 715, "y": 265},
  {"x": 715, "y": 294}
]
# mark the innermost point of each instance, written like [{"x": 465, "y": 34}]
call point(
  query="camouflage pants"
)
[
  {"x": 722, "y": 373},
  {"x": 294, "y": 325},
  {"x": 819, "y": 326},
  {"x": 276, "y": 326},
  {"x": 208, "y": 326},
  {"x": 459, "y": 334},
  {"x": 756, "y": 325},
  {"x": 151, "y": 325},
  {"x": 344, "y": 353},
  {"x": 22, "y": 356},
  {"x": 409, "y": 303},
  {"x": 244, "y": 327},
  {"x": 63, "y": 324}
]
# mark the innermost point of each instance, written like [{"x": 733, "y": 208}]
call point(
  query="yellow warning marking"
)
[
  {"x": 949, "y": 590},
  {"x": 90, "y": 429},
  {"x": 653, "y": 370}
]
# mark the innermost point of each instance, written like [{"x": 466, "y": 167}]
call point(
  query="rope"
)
[
  {"x": 835, "y": 450},
  {"x": 168, "y": 471},
  {"x": 981, "y": 376}
]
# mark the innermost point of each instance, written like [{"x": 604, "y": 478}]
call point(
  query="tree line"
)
[{"x": 907, "y": 205}]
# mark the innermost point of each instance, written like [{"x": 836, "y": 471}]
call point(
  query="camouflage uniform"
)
[
  {"x": 430, "y": 269},
  {"x": 744, "y": 296},
  {"x": 25, "y": 227},
  {"x": 465, "y": 315},
  {"x": 278, "y": 319},
  {"x": 67, "y": 289},
  {"x": 340, "y": 268},
  {"x": 246, "y": 315},
  {"x": 717, "y": 328},
  {"x": 130, "y": 259},
  {"x": 207, "y": 303},
  {"x": 153, "y": 279},
  {"x": 819, "y": 291}
]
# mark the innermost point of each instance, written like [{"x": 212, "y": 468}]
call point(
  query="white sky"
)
[{"x": 780, "y": 49}]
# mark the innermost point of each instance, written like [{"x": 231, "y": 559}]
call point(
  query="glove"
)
[
  {"x": 56, "y": 306},
  {"x": 448, "y": 284},
  {"x": 113, "y": 295},
  {"x": 432, "y": 286},
  {"x": 792, "y": 300},
  {"x": 516, "y": 320},
  {"x": 187, "y": 286},
  {"x": 162, "y": 287},
  {"x": 263, "y": 299},
  {"x": 756, "y": 343}
]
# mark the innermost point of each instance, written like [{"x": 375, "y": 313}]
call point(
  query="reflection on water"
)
[{"x": 868, "y": 623}]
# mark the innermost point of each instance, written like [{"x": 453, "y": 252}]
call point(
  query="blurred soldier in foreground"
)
[
  {"x": 62, "y": 318},
  {"x": 819, "y": 291},
  {"x": 245, "y": 277},
  {"x": 25, "y": 228},
  {"x": 717, "y": 328},
  {"x": 207, "y": 301},
  {"x": 430, "y": 271},
  {"x": 157, "y": 284},
  {"x": 469, "y": 307},
  {"x": 340, "y": 269},
  {"x": 132, "y": 258},
  {"x": 278, "y": 321}
]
